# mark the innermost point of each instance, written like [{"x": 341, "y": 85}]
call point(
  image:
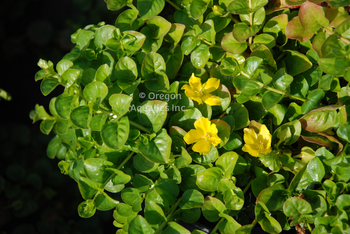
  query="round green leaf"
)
[
  {"x": 154, "y": 213},
  {"x": 200, "y": 56},
  {"x": 149, "y": 8},
  {"x": 139, "y": 225},
  {"x": 96, "y": 90},
  {"x": 115, "y": 134},
  {"x": 231, "y": 45},
  {"x": 212, "y": 208},
  {"x": 63, "y": 105},
  {"x": 81, "y": 117},
  {"x": 86, "y": 209},
  {"x": 158, "y": 149},
  {"x": 153, "y": 114},
  {"x": 120, "y": 104},
  {"x": 159, "y": 25},
  {"x": 209, "y": 179},
  {"x": 191, "y": 198}
]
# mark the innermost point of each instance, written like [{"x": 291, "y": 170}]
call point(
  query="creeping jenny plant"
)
[{"x": 260, "y": 88}]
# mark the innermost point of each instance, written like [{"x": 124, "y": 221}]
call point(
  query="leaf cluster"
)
[{"x": 120, "y": 122}]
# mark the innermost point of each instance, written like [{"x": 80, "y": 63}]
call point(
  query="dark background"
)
[{"x": 34, "y": 196}]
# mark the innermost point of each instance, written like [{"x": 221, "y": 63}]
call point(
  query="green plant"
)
[{"x": 275, "y": 152}]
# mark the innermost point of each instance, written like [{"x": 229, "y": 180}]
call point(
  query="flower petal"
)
[
  {"x": 193, "y": 136},
  {"x": 250, "y": 137},
  {"x": 203, "y": 147},
  {"x": 211, "y": 85},
  {"x": 195, "y": 83},
  {"x": 215, "y": 140},
  {"x": 248, "y": 148},
  {"x": 202, "y": 124},
  {"x": 190, "y": 93},
  {"x": 211, "y": 100},
  {"x": 213, "y": 130},
  {"x": 264, "y": 134}
]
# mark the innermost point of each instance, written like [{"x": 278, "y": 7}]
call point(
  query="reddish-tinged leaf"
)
[
  {"x": 312, "y": 17},
  {"x": 295, "y": 30},
  {"x": 324, "y": 119}
]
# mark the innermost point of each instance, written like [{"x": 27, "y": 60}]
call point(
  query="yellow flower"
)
[
  {"x": 256, "y": 144},
  {"x": 201, "y": 93},
  {"x": 205, "y": 135}
]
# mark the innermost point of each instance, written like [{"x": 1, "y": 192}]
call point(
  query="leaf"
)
[
  {"x": 223, "y": 131},
  {"x": 120, "y": 104},
  {"x": 191, "y": 198},
  {"x": 209, "y": 179},
  {"x": 198, "y": 7},
  {"x": 276, "y": 27},
  {"x": 96, "y": 90},
  {"x": 242, "y": 6},
  {"x": 281, "y": 80},
  {"x": 208, "y": 31},
  {"x": 138, "y": 39},
  {"x": 296, "y": 62},
  {"x": 127, "y": 20},
  {"x": 126, "y": 69},
  {"x": 149, "y": 8},
  {"x": 294, "y": 30},
  {"x": 103, "y": 34},
  {"x": 312, "y": 17},
  {"x": 115, "y": 134},
  {"x": 175, "y": 228},
  {"x": 152, "y": 64},
  {"x": 212, "y": 208},
  {"x": 167, "y": 189},
  {"x": 87, "y": 209},
  {"x": 175, "y": 34},
  {"x": 185, "y": 119},
  {"x": 270, "y": 99},
  {"x": 139, "y": 225},
  {"x": 63, "y": 105},
  {"x": 154, "y": 213},
  {"x": 158, "y": 149},
  {"x": 267, "y": 222},
  {"x": 173, "y": 60},
  {"x": 159, "y": 25},
  {"x": 295, "y": 206},
  {"x": 152, "y": 114},
  {"x": 200, "y": 56},
  {"x": 315, "y": 170},
  {"x": 81, "y": 117},
  {"x": 324, "y": 119},
  {"x": 242, "y": 31},
  {"x": 95, "y": 169},
  {"x": 104, "y": 202},
  {"x": 48, "y": 85},
  {"x": 273, "y": 197},
  {"x": 231, "y": 45},
  {"x": 114, "y": 5},
  {"x": 229, "y": 225}
]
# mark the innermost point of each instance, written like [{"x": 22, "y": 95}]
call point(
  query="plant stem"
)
[
  {"x": 139, "y": 126},
  {"x": 228, "y": 211},
  {"x": 247, "y": 186},
  {"x": 113, "y": 174},
  {"x": 173, "y": 4},
  {"x": 169, "y": 217},
  {"x": 216, "y": 226},
  {"x": 250, "y": 40},
  {"x": 340, "y": 37}
]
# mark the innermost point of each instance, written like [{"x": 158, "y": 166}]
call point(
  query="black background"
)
[{"x": 30, "y": 30}]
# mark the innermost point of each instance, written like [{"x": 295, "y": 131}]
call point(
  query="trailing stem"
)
[
  {"x": 228, "y": 211},
  {"x": 169, "y": 217},
  {"x": 113, "y": 174}
]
